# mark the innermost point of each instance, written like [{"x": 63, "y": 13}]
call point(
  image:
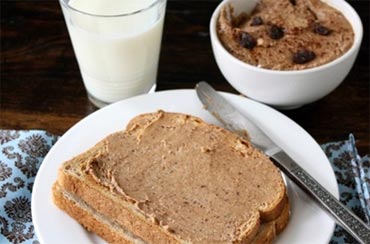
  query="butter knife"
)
[{"x": 233, "y": 120}]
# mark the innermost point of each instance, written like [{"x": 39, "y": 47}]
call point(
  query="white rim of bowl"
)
[{"x": 355, "y": 21}]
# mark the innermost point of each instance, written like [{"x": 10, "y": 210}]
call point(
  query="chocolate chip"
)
[
  {"x": 303, "y": 56},
  {"x": 276, "y": 32},
  {"x": 247, "y": 40},
  {"x": 321, "y": 30},
  {"x": 293, "y": 2},
  {"x": 257, "y": 20}
]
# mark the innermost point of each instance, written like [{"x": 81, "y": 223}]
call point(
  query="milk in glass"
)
[{"x": 117, "y": 45}]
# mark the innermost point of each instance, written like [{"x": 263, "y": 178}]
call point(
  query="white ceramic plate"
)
[{"x": 308, "y": 224}]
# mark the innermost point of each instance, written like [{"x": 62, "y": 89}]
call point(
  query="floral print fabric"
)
[
  {"x": 353, "y": 177},
  {"x": 21, "y": 153}
]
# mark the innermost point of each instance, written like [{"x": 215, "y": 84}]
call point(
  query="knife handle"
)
[{"x": 345, "y": 218}]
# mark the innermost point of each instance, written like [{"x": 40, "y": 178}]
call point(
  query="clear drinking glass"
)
[{"x": 117, "y": 45}]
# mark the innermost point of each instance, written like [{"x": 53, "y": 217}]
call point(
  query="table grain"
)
[{"x": 41, "y": 86}]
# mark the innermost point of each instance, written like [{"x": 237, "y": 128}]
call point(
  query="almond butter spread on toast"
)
[{"x": 200, "y": 182}]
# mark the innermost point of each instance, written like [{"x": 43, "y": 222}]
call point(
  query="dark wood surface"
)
[{"x": 41, "y": 86}]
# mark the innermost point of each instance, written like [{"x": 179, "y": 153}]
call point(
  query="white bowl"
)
[{"x": 285, "y": 89}]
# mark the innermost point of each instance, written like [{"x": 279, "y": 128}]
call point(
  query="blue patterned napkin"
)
[
  {"x": 353, "y": 177},
  {"x": 21, "y": 153}
]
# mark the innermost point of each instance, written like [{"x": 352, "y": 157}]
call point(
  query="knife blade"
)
[{"x": 234, "y": 121}]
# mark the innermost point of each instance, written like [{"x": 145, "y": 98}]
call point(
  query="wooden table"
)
[{"x": 41, "y": 86}]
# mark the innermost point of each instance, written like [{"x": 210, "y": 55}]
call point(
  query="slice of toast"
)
[{"x": 172, "y": 178}]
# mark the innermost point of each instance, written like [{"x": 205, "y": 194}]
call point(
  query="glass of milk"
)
[{"x": 117, "y": 45}]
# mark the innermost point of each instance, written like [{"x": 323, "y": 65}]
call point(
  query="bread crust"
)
[
  {"x": 269, "y": 231},
  {"x": 87, "y": 220},
  {"x": 266, "y": 233}
]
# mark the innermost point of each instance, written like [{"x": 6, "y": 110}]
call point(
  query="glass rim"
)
[{"x": 155, "y": 2}]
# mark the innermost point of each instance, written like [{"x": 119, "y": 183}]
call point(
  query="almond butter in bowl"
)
[
  {"x": 286, "y": 34},
  {"x": 285, "y": 53}
]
